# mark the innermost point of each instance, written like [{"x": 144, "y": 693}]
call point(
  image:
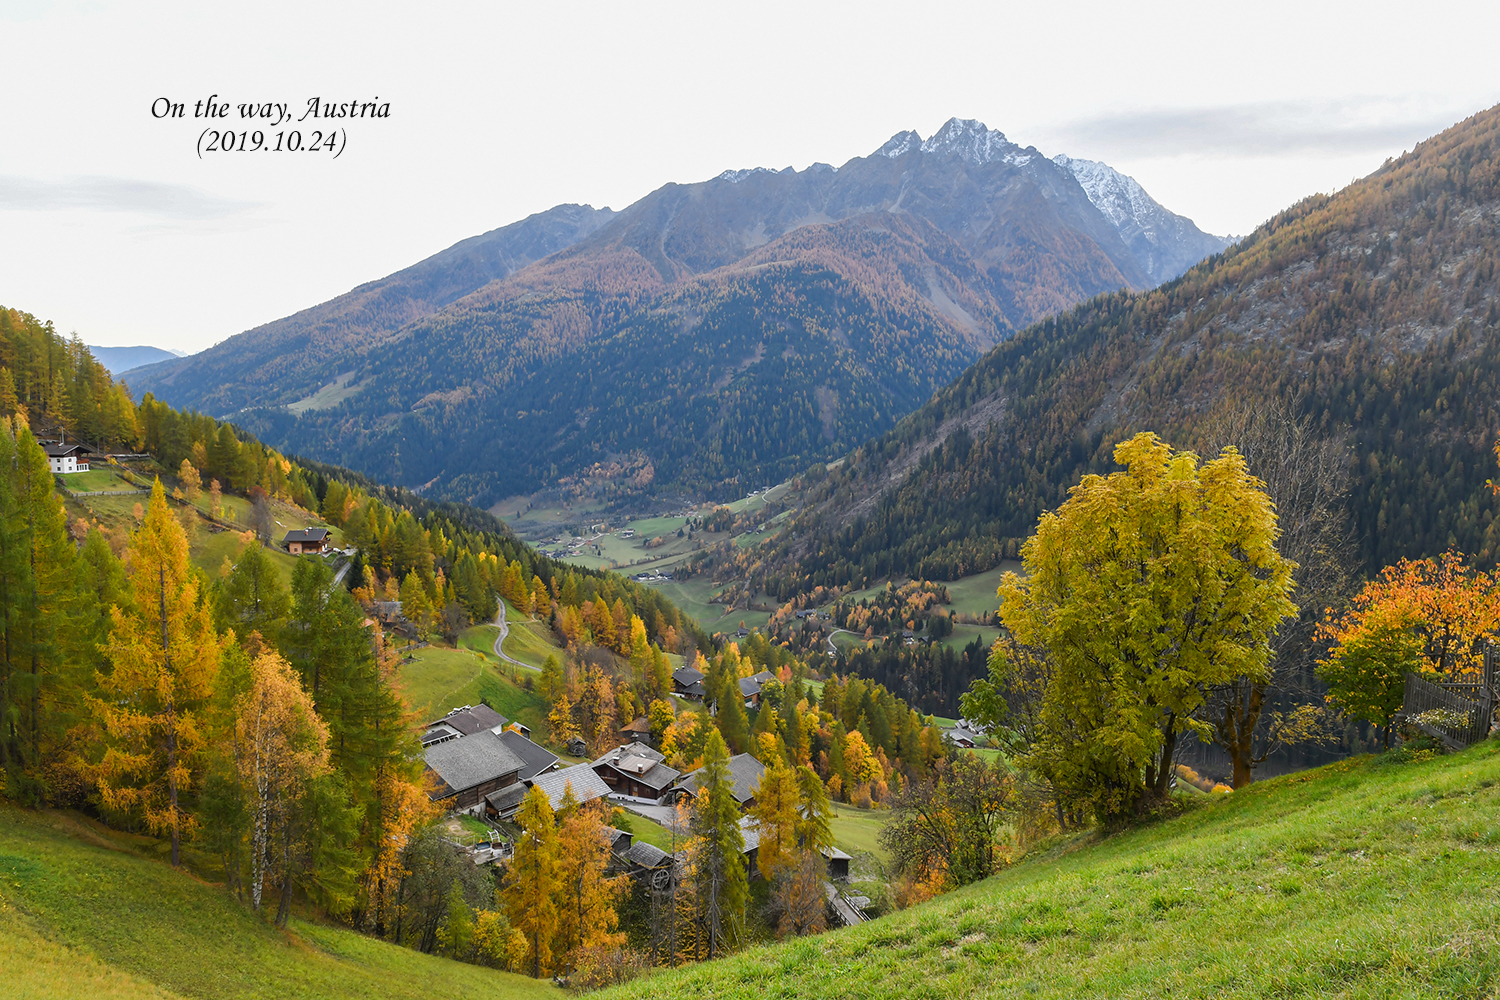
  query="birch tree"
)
[{"x": 281, "y": 746}]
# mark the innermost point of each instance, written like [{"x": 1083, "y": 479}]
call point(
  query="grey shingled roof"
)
[
  {"x": 471, "y": 719},
  {"x": 586, "y": 784},
  {"x": 687, "y": 675},
  {"x": 633, "y": 760},
  {"x": 305, "y": 535},
  {"x": 636, "y": 749},
  {"x": 536, "y": 758},
  {"x": 750, "y": 831},
  {"x": 471, "y": 761},
  {"x": 744, "y": 772},
  {"x": 508, "y": 799},
  {"x": 646, "y": 855},
  {"x": 749, "y": 686}
]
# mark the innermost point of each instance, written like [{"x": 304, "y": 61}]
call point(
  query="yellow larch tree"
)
[
  {"x": 530, "y": 896},
  {"x": 164, "y": 657},
  {"x": 586, "y": 897}
]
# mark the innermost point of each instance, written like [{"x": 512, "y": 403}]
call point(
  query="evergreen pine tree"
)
[{"x": 720, "y": 874}]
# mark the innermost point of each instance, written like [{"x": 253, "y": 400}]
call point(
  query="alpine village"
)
[{"x": 866, "y": 609}]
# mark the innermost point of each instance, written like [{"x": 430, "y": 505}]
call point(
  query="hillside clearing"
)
[
  {"x": 1361, "y": 879},
  {"x": 82, "y": 915}
]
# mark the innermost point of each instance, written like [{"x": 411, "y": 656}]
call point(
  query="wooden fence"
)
[{"x": 1461, "y": 707}]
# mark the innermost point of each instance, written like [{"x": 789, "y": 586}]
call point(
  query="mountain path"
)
[{"x": 504, "y": 628}]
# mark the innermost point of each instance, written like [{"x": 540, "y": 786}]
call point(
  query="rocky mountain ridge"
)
[{"x": 966, "y": 235}]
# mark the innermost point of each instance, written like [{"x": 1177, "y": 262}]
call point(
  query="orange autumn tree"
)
[
  {"x": 1429, "y": 616},
  {"x": 164, "y": 657}
]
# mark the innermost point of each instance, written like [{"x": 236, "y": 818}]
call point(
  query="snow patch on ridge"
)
[{"x": 1119, "y": 197}]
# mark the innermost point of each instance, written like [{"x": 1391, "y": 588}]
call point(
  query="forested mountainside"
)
[
  {"x": 54, "y": 388},
  {"x": 1373, "y": 311},
  {"x": 123, "y": 359},
  {"x": 711, "y": 335},
  {"x": 288, "y": 358},
  {"x": 817, "y": 342}
]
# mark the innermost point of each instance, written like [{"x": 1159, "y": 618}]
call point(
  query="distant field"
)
[
  {"x": 101, "y": 478},
  {"x": 965, "y": 634},
  {"x": 530, "y": 642},
  {"x": 89, "y": 913},
  {"x": 975, "y": 595},
  {"x": 650, "y": 527}
]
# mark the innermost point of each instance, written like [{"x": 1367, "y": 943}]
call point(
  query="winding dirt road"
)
[{"x": 504, "y": 628}]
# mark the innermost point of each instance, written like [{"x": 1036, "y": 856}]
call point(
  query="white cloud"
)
[
  {"x": 1262, "y": 129},
  {"x": 178, "y": 202}
]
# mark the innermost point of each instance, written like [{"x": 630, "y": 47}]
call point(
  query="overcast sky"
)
[{"x": 112, "y": 226}]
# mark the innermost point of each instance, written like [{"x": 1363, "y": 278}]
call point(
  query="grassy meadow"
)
[
  {"x": 440, "y": 678},
  {"x": 859, "y": 830},
  {"x": 1370, "y": 878},
  {"x": 83, "y": 913}
]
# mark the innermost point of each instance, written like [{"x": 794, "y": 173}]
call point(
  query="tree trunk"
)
[
  {"x": 1163, "y": 775},
  {"x": 1241, "y": 741}
]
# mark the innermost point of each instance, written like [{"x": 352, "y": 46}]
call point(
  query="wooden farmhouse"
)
[
  {"x": 635, "y": 771},
  {"x": 744, "y": 773},
  {"x": 750, "y": 687},
  {"x": 580, "y": 778},
  {"x": 302, "y": 541},
  {"x": 470, "y": 768},
  {"x": 688, "y": 683},
  {"x": 465, "y": 721},
  {"x": 638, "y": 731}
]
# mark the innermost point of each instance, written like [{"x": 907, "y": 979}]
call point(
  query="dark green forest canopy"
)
[{"x": 1373, "y": 309}]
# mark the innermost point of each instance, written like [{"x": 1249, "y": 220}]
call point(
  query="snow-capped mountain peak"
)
[
  {"x": 901, "y": 142},
  {"x": 971, "y": 139},
  {"x": 1165, "y": 242},
  {"x": 967, "y": 138}
]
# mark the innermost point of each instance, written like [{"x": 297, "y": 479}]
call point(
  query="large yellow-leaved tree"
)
[{"x": 1143, "y": 590}]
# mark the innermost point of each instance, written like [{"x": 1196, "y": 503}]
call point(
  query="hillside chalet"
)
[
  {"x": 635, "y": 771},
  {"x": 465, "y": 721},
  {"x": 580, "y": 778},
  {"x": 302, "y": 541},
  {"x": 469, "y": 769},
  {"x": 688, "y": 683},
  {"x": 750, "y": 687},
  {"x": 65, "y": 458},
  {"x": 744, "y": 774}
]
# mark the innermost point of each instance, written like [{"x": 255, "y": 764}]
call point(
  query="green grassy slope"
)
[
  {"x": 440, "y": 679},
  {"x": 1361, "y": 879},
  {"x": 83, "y": 915}
]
